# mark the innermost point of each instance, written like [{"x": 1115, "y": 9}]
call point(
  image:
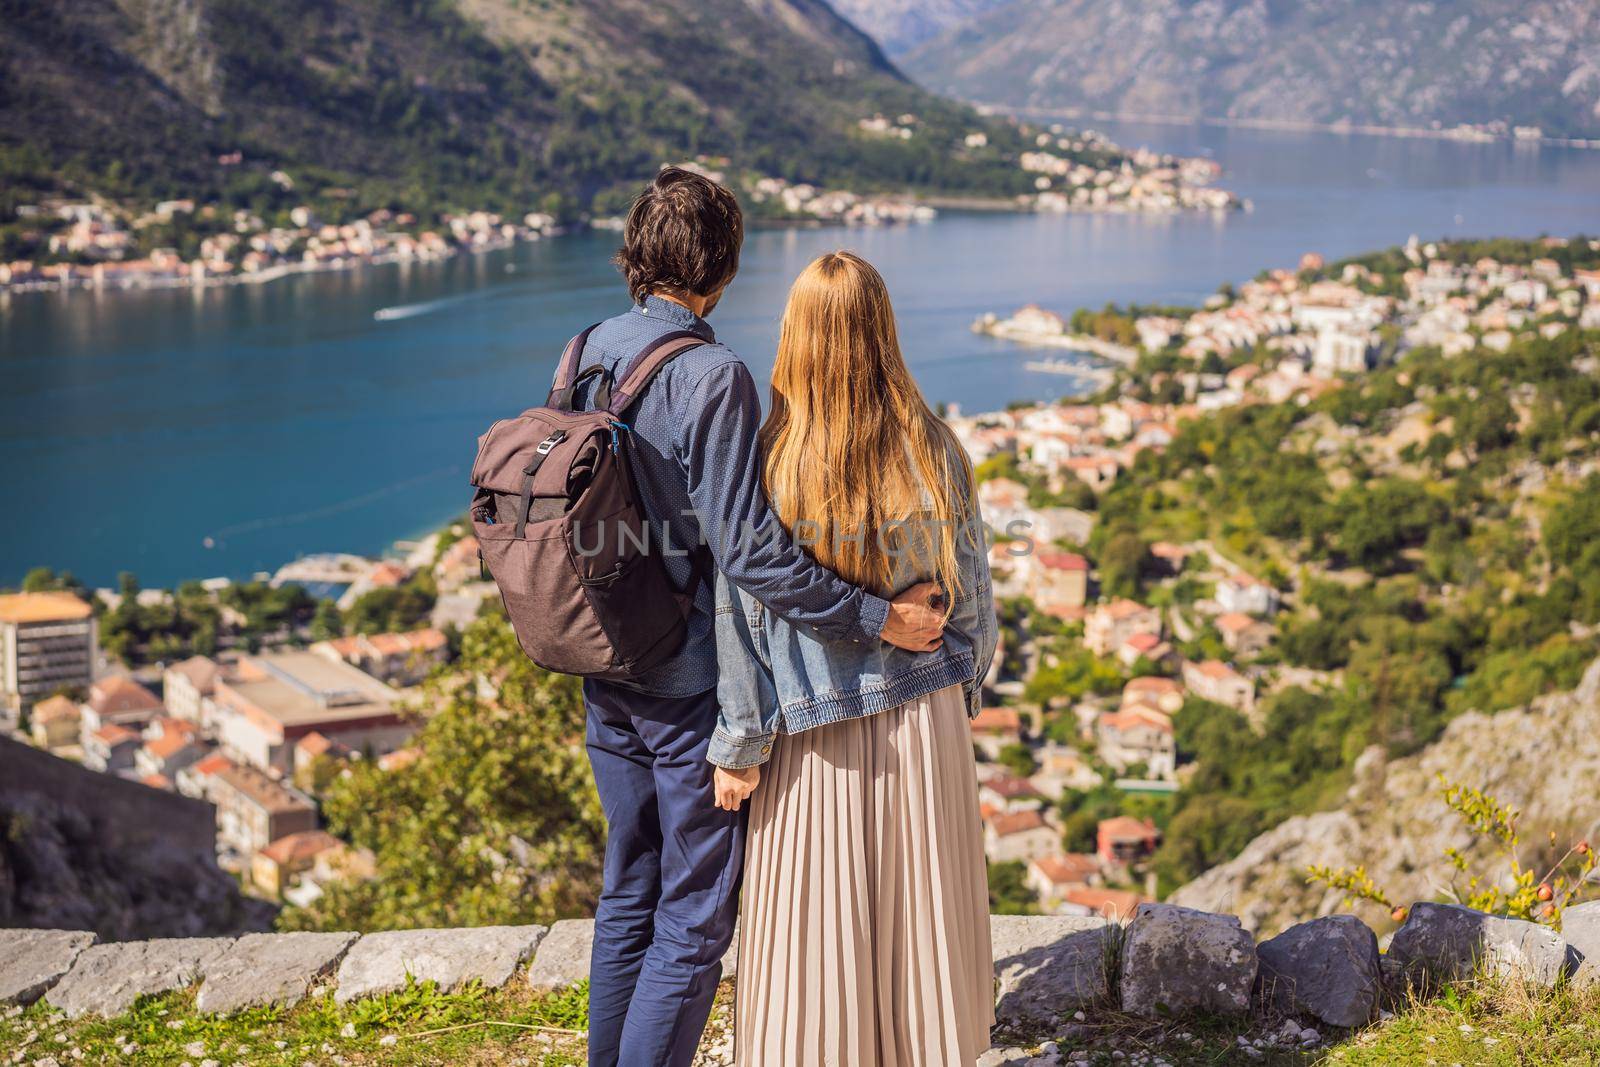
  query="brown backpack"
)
[{"x": 578, "y": 562}]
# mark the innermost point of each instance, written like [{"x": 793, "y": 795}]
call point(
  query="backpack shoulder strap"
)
[
  {"x": 647, "y": 364},
  {"x": 567, "y": 369}
]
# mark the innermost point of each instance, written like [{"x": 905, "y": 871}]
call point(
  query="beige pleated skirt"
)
[{"x": 864, "y": 921}]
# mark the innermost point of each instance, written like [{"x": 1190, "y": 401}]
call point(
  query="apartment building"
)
[{"x": 47, "y": 643}]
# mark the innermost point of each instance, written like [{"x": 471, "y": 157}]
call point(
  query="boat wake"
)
[{"x": 411, "y": 311}]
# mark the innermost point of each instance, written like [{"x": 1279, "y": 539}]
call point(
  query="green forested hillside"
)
[{"x": 424, "y": 104}]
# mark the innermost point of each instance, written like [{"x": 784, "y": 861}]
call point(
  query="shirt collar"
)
[{"x": 657, "y": 307}]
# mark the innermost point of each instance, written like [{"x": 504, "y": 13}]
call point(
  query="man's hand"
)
[
  {"x": 734, "y": 787},
  {"x": 915, "y": 623}
]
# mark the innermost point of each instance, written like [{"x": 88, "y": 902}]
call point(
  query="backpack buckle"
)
[{"x": 543, "y": 449}]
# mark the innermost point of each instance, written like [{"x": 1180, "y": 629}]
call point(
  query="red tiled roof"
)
[
  {"x": 1122, "y": 608},
  {"x": 1011, "y": 787},
  {"x": 112, "y": 734},
  {"x": 1017, "y": 822},
  {"x": 1137, "y": 715},
  {"x": 1215, "y": 668},
  {"x": 200, "y": 670},
  {"x": 299, "y": 848},
  {"x": 168, "y": 745},
  {"x": 1152, "y": 685},
  {"x": 1063, "y": 561},
  {"x": 120, "y": 693},
  {"x": 212, "y": 764},
  {"x": 157, "y": 781},
  {"x": 997, "y": 720},
  {"x": 1234, "y": 622},
  {"x": 1142, "y": 642},
  {"x": 1070, "y": 868},
  {"x": 1127, "y": 826}
]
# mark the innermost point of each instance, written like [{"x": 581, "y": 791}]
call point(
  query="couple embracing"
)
[{"x": 808, "y": 739}]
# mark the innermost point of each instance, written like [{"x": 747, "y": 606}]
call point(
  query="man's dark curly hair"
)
[{"x": 682, "y": 237}]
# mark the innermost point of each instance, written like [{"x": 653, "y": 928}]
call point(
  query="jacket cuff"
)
[
  {"x": 732, "y": 753},
  {"x": 874, "y": 613}
]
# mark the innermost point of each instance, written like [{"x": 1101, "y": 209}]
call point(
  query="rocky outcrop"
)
[
  {"x": 1447, "y": 942},
  {"x": 1178, "y": 961},
  {"x": 106, "y": 979},
  {"x": 1049, "y": 965},
  {"x": 1542, "y": 760},
  {"x": 87, "y": 851},
  {"x": 1581, "y": 928},
  {"x": 383, "y": 962},
  {"x": 269, "y": 970},
  {"x": 1327, "y": 968},
  {"x": 31, "y": 961},
  {"x": 563, "y": 956}
]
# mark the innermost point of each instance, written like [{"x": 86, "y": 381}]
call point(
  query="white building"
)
[{"x": 47, "y": 643}]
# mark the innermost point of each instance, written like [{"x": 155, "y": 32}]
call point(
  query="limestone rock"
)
[
  {"x": 1448, "y": 942},
  {"x": 563, "y": 956},
  {"x": 1540, "y": 759},
  {"x": 107, "y": 979},
  {"x": 31, "y": 961},
  {"x": 379, "y": 963},
  {"x": 1327, "y": 967},
  {"x": 261, "y": 969},
  {"x": 1177, "y": 960},
  {"x": 1047, "y": 965},
  {"x": 1581, "y": 927}
]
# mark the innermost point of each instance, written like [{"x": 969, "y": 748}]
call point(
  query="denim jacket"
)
[{"x": 774, "y": 677}]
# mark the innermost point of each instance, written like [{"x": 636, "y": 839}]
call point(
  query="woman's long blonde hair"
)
[{"x": 856, "y": 466}]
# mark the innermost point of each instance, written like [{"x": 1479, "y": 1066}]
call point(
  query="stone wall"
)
[
  {"x": 1051, "y": 971},
  {"x": 94, "y": 851}
]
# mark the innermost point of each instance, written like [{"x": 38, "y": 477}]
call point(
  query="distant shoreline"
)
[{"x": 1454, "y": 133}]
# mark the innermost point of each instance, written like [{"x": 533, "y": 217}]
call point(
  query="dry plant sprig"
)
[{"x": 1540, "y": 899}]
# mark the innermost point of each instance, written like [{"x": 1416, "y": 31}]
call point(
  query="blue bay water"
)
[{"x": 277, "y": 420}]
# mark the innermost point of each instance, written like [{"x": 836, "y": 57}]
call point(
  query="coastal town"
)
[
  {"x": 1105, "y": 652},
  {"x": 97, "y": 244}
]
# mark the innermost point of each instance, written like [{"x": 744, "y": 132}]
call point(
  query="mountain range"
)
[
  {"x": 479, "y": 102},
  {"x": 900, "y": 25},
  {"x": 1378, "y": 62}
]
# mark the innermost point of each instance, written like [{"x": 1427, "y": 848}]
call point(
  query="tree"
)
[
  {"x": 326, "y": 623},
  {"x": 393, "y": 609},
  {"x": 43, "y": 579},
  {"x": 1018, "y": 759},
  {"x": 1123, "y": 564},
  {"x": 496, "y": 821},
  {"x": 1203, "y": 835},
  {"x": 1008, "y": 890}
]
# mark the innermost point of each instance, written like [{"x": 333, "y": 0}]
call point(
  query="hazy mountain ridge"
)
[
  {"x": 1325, "y": 61},
  {"x": 900, "y": 25},
  {"x": 1542, "y": 759},
  {"x": 462, "y": 99}
]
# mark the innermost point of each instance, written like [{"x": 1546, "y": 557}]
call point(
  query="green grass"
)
[
  {"x": 417, "y": 1025},
  {"x": 1484, "y": 1022}
]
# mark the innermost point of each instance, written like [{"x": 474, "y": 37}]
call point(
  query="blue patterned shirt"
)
[{"x": 696, "y": 464}]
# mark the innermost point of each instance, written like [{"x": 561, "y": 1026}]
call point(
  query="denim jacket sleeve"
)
[
  {"x": 747, "y": 701},
  {"x": 974, "y": 612}
]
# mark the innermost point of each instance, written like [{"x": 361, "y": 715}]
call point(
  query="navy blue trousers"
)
[{"x": 671, "y": 892}]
